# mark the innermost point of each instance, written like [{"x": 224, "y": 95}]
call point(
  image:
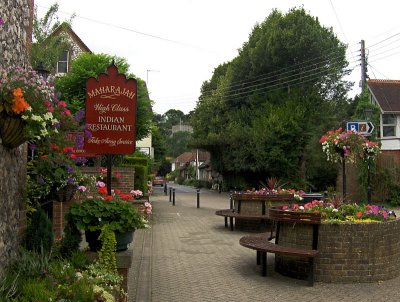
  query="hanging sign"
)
[{"x": 111, "y": 113}]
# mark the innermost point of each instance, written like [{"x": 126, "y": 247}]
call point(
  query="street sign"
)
[{"x": 365, "y": 128}]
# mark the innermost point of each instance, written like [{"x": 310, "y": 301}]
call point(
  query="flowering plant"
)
[
  {"x": 24, "y": 94},
  {"x": 345, "y": 212},
  {"x": 347, "y": 145},
  {"x": 53, "y": 171},
  {"x": 96, "y": 211}
]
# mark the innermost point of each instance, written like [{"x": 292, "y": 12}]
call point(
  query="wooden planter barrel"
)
[{"x": 256, "y": 204}]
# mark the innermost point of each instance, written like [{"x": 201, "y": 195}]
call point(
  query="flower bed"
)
[
  {"x": 356, "y": 243},
  {"x": 348, "y": 252}
]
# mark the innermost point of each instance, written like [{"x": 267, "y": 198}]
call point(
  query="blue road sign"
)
[{"x": 363, "y": 127}]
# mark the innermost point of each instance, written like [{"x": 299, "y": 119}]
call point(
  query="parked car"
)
[{"x": 158, "y": 181}]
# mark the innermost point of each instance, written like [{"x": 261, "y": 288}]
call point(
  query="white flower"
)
[
  {"x": 48, "y": 116},
  {"x": 35, "y": 117},
  {"x": 301, "y": 207}
]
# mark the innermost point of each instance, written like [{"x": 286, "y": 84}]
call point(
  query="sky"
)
[{"x": 175, "y": 45}]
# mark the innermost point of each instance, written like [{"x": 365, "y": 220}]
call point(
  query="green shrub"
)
[
  {"x": 30, "y": 264},
  {"x": 79, "y": 260},
  {"x": 71, "y": 239},
  {"x": 39, "y": 233},
  {"x": 108, "y": 245},
  {"x": 35, "y": 290},
  {"x": 141, "y": 178}
]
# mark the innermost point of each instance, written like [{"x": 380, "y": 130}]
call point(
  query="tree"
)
[
  {"x": 46, "y": 49},
  {"x": 261, "y": 113},
  {"x": 73, "y": 86}
]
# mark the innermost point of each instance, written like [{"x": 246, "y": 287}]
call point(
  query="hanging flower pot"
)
[
  {"x": 64, "y": 194},
  {"x": 12, "y": 131}
]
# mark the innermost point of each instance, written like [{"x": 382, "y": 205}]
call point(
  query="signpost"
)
[
  {"x": 111, "y": 115},
  {"x": 365, "y": 128}
]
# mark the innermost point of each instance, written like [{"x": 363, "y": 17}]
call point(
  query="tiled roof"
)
[
  {"x": 191, "y": 156},
  {"x": 386, "y": 93}
]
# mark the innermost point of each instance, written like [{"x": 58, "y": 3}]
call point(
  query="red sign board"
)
[{"x": 111, "y": 113}]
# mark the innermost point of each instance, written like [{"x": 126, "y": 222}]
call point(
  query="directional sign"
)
[{"x": 365, "y": 128}]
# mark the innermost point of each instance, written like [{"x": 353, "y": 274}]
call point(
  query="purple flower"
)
[
  {"x": 80, "y": 160},
  {"x": 70, "y": 170},
  {"x": 32, "y": 147},
  {"x": 88, "y": 133},
  {"x": 57, "y": 125},
  {"x": 80, "y": 115},
  {"x": 70, "y": 180},
  {"x": 79, "y": 141},
  {"x": 1, "y": 21}
]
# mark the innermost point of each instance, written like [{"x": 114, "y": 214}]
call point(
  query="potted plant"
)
[
  {"x": 28, "y": 109},
  {"x": 348, "y": 145},
  {"x": 114, "y": 210},
  {"x": 54, "y": 175}
]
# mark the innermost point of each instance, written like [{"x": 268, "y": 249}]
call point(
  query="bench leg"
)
[
  {"x": 231, "y": 222},
  {"x": 226, "y": 221},
  {"x": 258, "y": 257},
  {"x": 311, "y": 272},
  {"x": 263, "y": 263}
]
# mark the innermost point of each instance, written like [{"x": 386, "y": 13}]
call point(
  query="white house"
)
[{"x": 386, "y": 94}]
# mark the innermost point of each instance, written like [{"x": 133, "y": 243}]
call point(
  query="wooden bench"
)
[
  {"x": 231, "y": 213},
  {"x": 263, "y": 245},
  {"x": 236, "y": 200}
]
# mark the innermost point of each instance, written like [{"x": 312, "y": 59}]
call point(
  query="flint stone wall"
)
[{"x": 15, "y": 33}]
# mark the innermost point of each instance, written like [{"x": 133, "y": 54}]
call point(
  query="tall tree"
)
[
  {"x": 46, "y": 49},
  {"x": 73, "y": 86},
  {"x": 260, "y": 113}
]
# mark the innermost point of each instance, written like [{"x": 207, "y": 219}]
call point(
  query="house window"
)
[
  {"x": 388, "y": 125},
  {"x": 62, "y": 64}
]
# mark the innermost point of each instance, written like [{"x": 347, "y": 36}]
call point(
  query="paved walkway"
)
[{"x": 188, "y": 255}]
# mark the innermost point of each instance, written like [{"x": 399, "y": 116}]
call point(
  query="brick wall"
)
[{"x": 348, "y": 252}]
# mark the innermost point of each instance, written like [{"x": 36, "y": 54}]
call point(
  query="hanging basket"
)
[
  {"x": 64, "y": 194},
  {"x": 12, "y": 131}
]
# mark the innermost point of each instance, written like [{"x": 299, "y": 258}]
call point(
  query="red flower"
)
[
  {"x": 358, "y": 214},
  {"x": 102, "y": 191},
  {"x": 108, "y": 197},
  {"x": 44, "y": 156}
]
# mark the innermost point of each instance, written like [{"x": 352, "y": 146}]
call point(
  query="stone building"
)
[{"x": 15, "y": 42}]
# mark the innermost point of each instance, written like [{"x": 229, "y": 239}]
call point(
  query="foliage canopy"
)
[{"x": 262, "y": 113}]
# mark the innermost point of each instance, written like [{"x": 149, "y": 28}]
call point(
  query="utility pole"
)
[{"x": 364, "y": 75}]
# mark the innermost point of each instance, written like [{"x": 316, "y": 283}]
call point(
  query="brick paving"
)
[{"x": 188, "y": 255}]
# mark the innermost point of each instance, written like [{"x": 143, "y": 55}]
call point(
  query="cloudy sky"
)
[{"x": 175, "y": 45}]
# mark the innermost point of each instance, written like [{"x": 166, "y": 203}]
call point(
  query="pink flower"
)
[{"x": 100, "y": 184}]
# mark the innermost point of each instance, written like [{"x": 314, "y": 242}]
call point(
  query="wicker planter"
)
[
  {"x": 11, "y": 131},
  {"x": 64, "y": 194}
]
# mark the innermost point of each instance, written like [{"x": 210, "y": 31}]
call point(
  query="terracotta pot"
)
[{"x": 12, "y": 131}]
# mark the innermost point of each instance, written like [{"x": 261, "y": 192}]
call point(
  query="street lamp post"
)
[
  {"x": 42, "y": 71},
  {"x": 368, "y": 113}
]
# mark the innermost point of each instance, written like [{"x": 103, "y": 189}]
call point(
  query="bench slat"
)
[{"x": 262, "y": 244}]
